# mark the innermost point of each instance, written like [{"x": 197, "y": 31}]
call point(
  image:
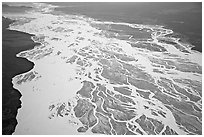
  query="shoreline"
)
[{"x": 13, "y": 42}]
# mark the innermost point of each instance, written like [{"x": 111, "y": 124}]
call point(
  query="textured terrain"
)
[{"x": 94, "y": 77}]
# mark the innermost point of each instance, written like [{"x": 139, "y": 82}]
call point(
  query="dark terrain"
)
[{"x": 13, "y": 42}]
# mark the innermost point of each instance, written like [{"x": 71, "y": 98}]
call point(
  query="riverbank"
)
[{"x": 13, "y": 42}]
